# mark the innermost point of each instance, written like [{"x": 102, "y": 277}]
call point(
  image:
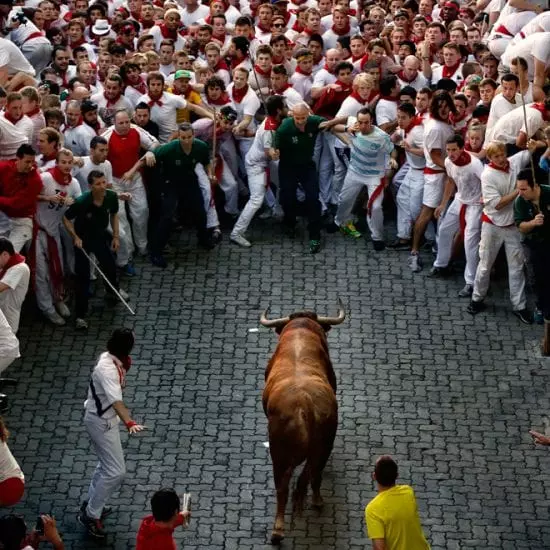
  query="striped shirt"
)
[{"x": 370, "y": 153}]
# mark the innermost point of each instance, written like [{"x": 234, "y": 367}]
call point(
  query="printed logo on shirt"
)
[
  {"x": 178, "y": 162},
  {"x": 295, "y": 140}
]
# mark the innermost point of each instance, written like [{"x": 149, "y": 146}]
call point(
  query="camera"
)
[{"x": 39, "y": 527}]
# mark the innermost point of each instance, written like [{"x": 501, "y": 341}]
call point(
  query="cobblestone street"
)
[{"x": 452, "y": 397}]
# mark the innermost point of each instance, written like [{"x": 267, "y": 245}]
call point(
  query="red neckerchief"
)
[
  {"x": 111, "y": 102},
  {"x": 345, "y": 31},
  {"x": 221, "y": 65},
  {"x": 141, "y": 87},
  {"x": 363, "y": 61},
  {"x": 35, "y": 111},
  {"x": 355, "y": 58},
  {"x": 222, "y": 100},
  {"x": 78, "y": 43},
  {"x": 357, "y": 97},
  {"x": 416, "y": 121},
  {"x": 262, "y": 28},
  {"x": 299, "y": 70},
  {"x": 308, "y": 32},
  {"x": 454, "y": 119},
  {"x": 325, "y": 66},
  {"x": 282, "y": 90},
  {"x": 468, "y": 147},
  {"x": 463, "y": 159},
  {"x": 46, "y": 158},
  {"x": 208, "y": 19},
  {"x": 401, "y": 76},
  {"x": 277, "y": 60},
  {"x": 14, "y": 260},
  {"x": 261, "y": 72},
  {"x": 271, "y": 123},
  {"x": 448, "y": 72},
  {"x": 416, "y": 39},
  {"x": 238, "y": 95},
  {"x": 219, "y": 37},
  {"x": 345, "y": 87},
  {"x": 8, "y": 117},
  {"x": 157, "y": 101},
  {"x": 506, "y": 170},
  {"x": 96, "y": 126},
  {"x": 297, "y": 27},
  {"x": 167, "y": 33},
  {"x": 59, "y": 176},
  {"x": 390, "y": 98},
  {"x": 147, "y": 24},
  {"x": 128, "y": 46},
  {"x": 351, "y": 11},
  {"x": 235, "y": 62},
  {"x": 540, "y": 108},
  {"x": 126, "y": 363}
]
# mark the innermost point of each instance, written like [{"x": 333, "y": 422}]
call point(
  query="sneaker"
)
[
  {"x": 266, "y": 214},
  {"x": 351, "y": 230},
  {"x": 63, "y": 310},
  {"x": 129, "y": 270},
  {"x": 538, "y": 317},
  {"x": 436, "y": 272},
  {"x": 466, "y": 292},
  {"x": 159, "y": 261},
  {"x": 93, "y": 526},
  {"x": 240, "y": 240},
  {"x": 81, "y": 324},
  {"x": 428, "y": 245},
  {"x": 379, "y": 245},
  {"x": 524, "y": 315},
  {"x": 314, "y": 246},
  {"x": 475, "y": 307},
  {"x": 415, "y": 263},
  {"x": 54, "y": 318},
  {"x": 107, "y": 510},
  {"x": 400, "y": 244}
]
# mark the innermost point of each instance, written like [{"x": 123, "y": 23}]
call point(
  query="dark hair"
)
[
  {"x": 97, "y": 140},
  {"x": 57, "y": 49},
  {"x": 364, "y": 23},
  {"x": 344, "y": 41},
  {"x": 462, "y": 97},
  {"x": 142, "y": 105},
  {"x": 186, "y": 127},
  {"x": 122, "y": 340},
  {"x": 97, "y": 6},
  {"x": 458, "y": 139},
  {"x": 526, "y": 175},
  {"x": 12, "y": 531},
  {"x": 316, "y": 38},
  {"x": 6, "y": 246},
  {"x": 117, "y": 49},
  {"x": 509, "y": 77},
  {"x": 25, "y": 149},
  {"x": 241, "y": 43},
  {"x": 229, "y": 113},
  {"x": 365, "y": 111},
  {"x": 446, "y": 84},
  {"x": 386, "y": 471},
  {"x": 481, "y": 111},
  {"x": 214, "y": 82},
  {"x": 410, "y": 44},
  {"x": 2, "y": 92},
  {"x": 165, "y": 504},
  {"x": 279, "y": 69},
  {"x": 275, "y": 103},
  {"x": 407, "y": 108},
  {"x": 387, "y": 84},
  {"x": 519, "y": 61},
  {"x": 343, "y": 65},
  {"x": 408, "y": 90},
  {"x": 243, "y": 20},
  {"x": 92, "y": 176},
  {"x": 426, "y": 91},
  {"x": 438, "y": 98},
  {"x": 488, "y": 82}
]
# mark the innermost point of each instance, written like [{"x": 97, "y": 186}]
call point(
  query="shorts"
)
[
  {"x": 11, "y": 491},
  {"x": 434, "y": 185}
]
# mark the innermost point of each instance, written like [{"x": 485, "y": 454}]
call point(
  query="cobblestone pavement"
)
[{"x": 450, "y": 396}]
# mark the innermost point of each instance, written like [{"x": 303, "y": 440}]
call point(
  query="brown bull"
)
[{"x": 299, "y": 401}]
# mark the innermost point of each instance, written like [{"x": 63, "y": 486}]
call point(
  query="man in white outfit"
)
[{"x": 498, "y": 187}]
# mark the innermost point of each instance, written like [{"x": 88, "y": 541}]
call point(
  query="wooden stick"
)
[
  {"x": 546, "y": 339},
  {"x": 525, "y": 121}
]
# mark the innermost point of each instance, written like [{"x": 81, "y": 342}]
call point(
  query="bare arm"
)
[
  {"x": 69, "y": 226},
  {"x": 437, "y": 158},
  {"x": 388, "y": 127},
  {"x": 378, "y": 544},
  {"x": 506, "y": 200},
  {"x": 450, "y": 187},
  {"x": 200, "y": 111}
]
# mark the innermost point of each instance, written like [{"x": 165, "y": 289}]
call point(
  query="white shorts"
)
[{"x": 434, "y": 185}]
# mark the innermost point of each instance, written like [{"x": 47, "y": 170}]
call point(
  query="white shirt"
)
[
  {"x": 9, "y": 348},
  {"x": 536, "y": 46},
  {"x": 386, "y": 111},
  {"x": 513, "y": 24},
  {"x": 81, "y": 173},
  {"x": 415, "y": 138},
  {"x": 495, "y": 184},
  {"x": 535, "y": 23},
  {"x": 17, "y": 278},
  {"x": 108, "y": 378},
  {"x": 11, "y": 138},
  {"x": 467, "y": 179},
  {"x": 248, "y": 106},
  {"x": 12, "y": 58},
  {"x": 25, "y": 126},
  {"x": 500, "y": 107},
  {"x": 165, "y": 115},
  {"x": 156, "y": 33},
  {"x": 436, "y": 134},
  {"x": 330, "y": 39},
  {"x": 8, "y": 465},
  {"x": 78, "y": 138},
  {"x": 323, "y": 78},
  {"x": 107, "y": 109},
  {"x": 349, "y": 108},
  {"x": 20, "y": 35},
  {"x": 510, "y": 125},
  {"x": 189, "y": 18},
  {"x": 262, "y": 141},
  {"x": 437, "y": 74},
  {"x": 418, "y": 83},
  {"x": 292, "y": 97},
  {"x": 302, "y": 83}
]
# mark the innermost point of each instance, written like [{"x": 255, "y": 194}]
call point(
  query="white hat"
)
[{"x": 101, "y": 26}]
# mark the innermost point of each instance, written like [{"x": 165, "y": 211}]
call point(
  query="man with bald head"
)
[
  {"x": 326, "y": 77},
  {"x": 410, "y": 75},
  {"x": 293, "y": 145},
  {"x": 77, "y": 135}
]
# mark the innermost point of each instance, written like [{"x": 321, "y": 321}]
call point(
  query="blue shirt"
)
[{"x": 370, "y": 153}]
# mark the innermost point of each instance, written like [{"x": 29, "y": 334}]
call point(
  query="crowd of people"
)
[{"x": 124, "y": 119}]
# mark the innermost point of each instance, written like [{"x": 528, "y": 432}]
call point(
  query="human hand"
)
[
  {"x": 539, "y": 438},
  {"x": 150, "y": 159},
  {"x": 55, "y": 199},
  {"x": 186, "y": 517},
  {"x": 274, "y": 154},
  {"x": 78, "y": 161},
  {"x": 213, "y": 179},
  {"x": 127, "y": 177},
  {"x": 135, "y": 428},
  {"x": 115, "y": 244},
  {"x": 77, "y": 241},
  {"x": 539, "y": 219},
  {"x": 438, "y": 211},
  {"x": 531, "y": 145},
  {"x": 51, "y": 533},
  {"x": 67, "y": 201},
  {"x": 125, "y": 196}
]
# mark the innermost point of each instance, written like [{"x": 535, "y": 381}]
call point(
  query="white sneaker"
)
[
  {"x": 415, "y": 263},
  {"x": 266, "y": 214},
  {"x": 63, "y": 310},
  {"x": 124, "y": 294},
  {"x": 240, "y": 240},
  {"x": 81, "y": 324},
  {"x": 55, "y": 318}
]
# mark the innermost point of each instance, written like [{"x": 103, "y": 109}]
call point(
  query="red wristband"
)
[{"x": 131, "y": 424}]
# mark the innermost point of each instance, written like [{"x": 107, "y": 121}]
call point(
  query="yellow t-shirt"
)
[
  {"x": 183, "y": 115},
  {"x": 392, "y": 515}
]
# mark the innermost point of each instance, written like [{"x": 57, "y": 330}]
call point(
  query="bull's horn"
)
[
  {"x": 334, "y": 320},
  {"x": 273, "y": 323}
]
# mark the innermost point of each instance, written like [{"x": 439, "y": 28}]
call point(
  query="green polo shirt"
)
[
  {"x": 525, "y": 211},
  {"x": 296, "y": 146},
  {"x": 91, "y": 221},
  {"x": 176, "y": 165}
]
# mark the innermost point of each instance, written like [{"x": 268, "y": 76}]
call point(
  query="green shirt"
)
[
  {"x": 296, "y": 146},
  {"x": 91, "y": 221},
  {"x": 176, "y": 165},
  {"x": 525, "y": 211}
]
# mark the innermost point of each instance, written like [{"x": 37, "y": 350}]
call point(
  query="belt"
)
[
  {"x": 487, "y": 219},
  {"x": 432, "y": 171},
  {"x": 37, "y": 34}
]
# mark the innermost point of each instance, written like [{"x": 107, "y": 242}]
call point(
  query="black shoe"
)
[
  {"x": 524, "y": 315},
  {"x": 159, "y": 260},
  {"x": 314, "y": 246},
  {"x": 439, "y": 272},
  {"x": 332, "y": 228},
  {"x": 466, "y": 292},
  {"x": 216, "y": 236},
  {"x": 7, "y": 382},
  {"x": 400, "y": 244},
  {"x": 476, "y": 307},
  {"x": 107, "y": 510},
  {"x": 3, "y": 403},
  {"x": 93, "y": 526},
  {"x": 379, "y": 245}
]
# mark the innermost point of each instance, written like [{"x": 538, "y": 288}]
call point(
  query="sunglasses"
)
[{"x": 279, "y": 26}]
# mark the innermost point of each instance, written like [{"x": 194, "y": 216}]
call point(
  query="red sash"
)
[{"x": 376, "y": 193}]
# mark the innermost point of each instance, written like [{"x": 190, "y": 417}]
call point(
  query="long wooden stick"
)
[{"x": 525, "y": 119}]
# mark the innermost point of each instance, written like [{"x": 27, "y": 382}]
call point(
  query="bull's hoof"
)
[
  {"x": 277, "y": 537},
  {"x": 317, "y": 502}
]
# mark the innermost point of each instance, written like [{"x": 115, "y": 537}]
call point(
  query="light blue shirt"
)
[{"x": 370, "y": 153}]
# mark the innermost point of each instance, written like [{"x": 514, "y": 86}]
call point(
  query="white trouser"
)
[
  {"x": 409, "y": 201},
  {"x": 20, "y": 233},
  {"x": 492, "y": 238},
  {"x": 449, "y": 227},
  {"x": 228, "y": 184},
  {"x": 497, "y": 46},
  {"x": 341, "y": 164},
  {"x": 38, "y": 54},
  {"x": 9, "y": 350},
  {"x": 326, "y": 168},
  {"x": 352, "y": 186},
  {"x": 257, "y": 183},
  {"x": 270, "y": 197},
  {"x": 139, "y": 210},
  {"x": 397, "y": 180},
  {"x": 111, "y": 469},
  {"x": 43, "y": 284},
  {"x": 206, "y": 188}
]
